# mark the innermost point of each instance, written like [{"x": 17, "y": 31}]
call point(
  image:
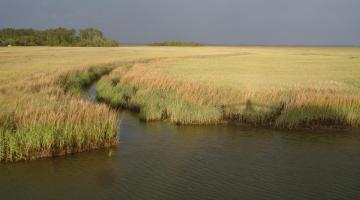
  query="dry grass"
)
[
  {"x": 278, "y": 87},
  {"x": 43, "y": 115},
  {"x": 20, "y": 62},
  {"x": 46, "y": 120}
]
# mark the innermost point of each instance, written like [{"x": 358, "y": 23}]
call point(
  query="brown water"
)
[{"x": 162, "y": 161}]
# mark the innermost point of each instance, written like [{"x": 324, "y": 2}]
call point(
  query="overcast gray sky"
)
[{"x": 311, "y": 22}]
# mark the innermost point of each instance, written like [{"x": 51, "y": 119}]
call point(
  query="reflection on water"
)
[{"x": 162, "y": 161}]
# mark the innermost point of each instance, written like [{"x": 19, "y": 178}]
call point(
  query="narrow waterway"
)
[{"x": 162, "y": 161}]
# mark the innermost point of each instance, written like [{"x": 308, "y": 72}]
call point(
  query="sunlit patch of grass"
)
[
  {"x": 276, "y": 87},
  {"x": 60, "y": 128},
  {"x": 155, "y": 104},
  {"x": 48, "y": 118}
]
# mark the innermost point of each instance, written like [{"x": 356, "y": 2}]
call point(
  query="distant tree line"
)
[
  {"x": 88, "y": 37},
  {"x": 176, "y": 43}
]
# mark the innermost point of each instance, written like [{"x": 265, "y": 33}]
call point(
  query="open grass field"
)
[
  {"x": 279, "y": 87},
  {"x": 17, "y": 62},
  {"x": 42, "y": 113}
]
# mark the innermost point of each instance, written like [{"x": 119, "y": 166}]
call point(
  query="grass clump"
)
[
  {"x": 310, "y": 116},
  {"x": 155, "y": 104},
  {"x": 114, "y": 93},
  {"x": 344, "y": 112},
  {"x": 76, "y": 81},
  {"x": 186, "y": 113},
  {"x": 57, "y": 129},
  {"x": 47, "y": 119}
]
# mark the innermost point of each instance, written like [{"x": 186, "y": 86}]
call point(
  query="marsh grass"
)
[
  {"x": 40, "y": 88},
  {"x": 57, "y": 129},
  {"x": 75, "y": 82},
  {"x": 321, "y": 92},
  {"x": 49, "y": 118},
  {"x": 43, "y": 115},
  {"x": 155, "y": 104}
]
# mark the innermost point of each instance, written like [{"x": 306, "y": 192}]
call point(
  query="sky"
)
[{"x": 265, "y": 22}]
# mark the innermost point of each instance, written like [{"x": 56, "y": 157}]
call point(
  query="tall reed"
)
[{"x": 49, "y": 118}]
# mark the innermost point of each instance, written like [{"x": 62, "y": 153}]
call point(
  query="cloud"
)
[{"x": 209, "y": 21}]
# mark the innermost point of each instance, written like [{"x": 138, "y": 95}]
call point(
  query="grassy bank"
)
[
  {"x": 274, "y": 87},
  {"x": 49, "y": 118},
  {"x": 155, "y": 104}
]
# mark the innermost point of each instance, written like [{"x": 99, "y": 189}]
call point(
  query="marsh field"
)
[{"x": 43, "y": 113}]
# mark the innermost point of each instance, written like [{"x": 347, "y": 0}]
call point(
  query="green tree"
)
[
  {"x": 60, "y": 37},
  {"x": 54, "y": 37}
]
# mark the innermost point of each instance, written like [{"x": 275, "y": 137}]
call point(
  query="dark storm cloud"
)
[{"x": 335, "y": 22}]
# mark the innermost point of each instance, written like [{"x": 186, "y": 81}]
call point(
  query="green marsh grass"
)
[{"x": 49, "y": 118}]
